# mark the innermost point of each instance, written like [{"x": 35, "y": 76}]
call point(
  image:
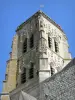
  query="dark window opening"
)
[
  {"x": 56, "y": 46},
  {"x": 31, "y": 41},
  {"x": 49, "y": 42},
  {"x": 6, "y": 76},
  {"x": 37, "y": 72},
  {"x": 31, "y": 71},
  {"x": 23, "y": 76},
  {"x": 36, "y": 25},
  {"x": 46, "y": 96},
  {"x": 52, "y": 71},
  {"x": 25, "y": 46}
]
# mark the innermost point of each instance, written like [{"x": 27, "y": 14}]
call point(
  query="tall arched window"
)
[
  {"x": 49, "y": 42},
  {"x": 31, "y": 71},
  {"x": 23, "y": 76},
  {"x": 31, "y": 41},
  {"x": 56, "y": 46},
  {"x": 25, "y": 46}
]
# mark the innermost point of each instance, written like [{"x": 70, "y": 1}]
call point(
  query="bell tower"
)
[{"x": 40, "y": 49}]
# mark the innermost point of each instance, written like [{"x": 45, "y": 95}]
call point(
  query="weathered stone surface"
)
[{"x": 61, "y": 86}]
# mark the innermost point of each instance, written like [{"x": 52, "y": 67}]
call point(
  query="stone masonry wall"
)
[
  {"x": 32, "y": 88},
  {"x": 60, "y": 86}
]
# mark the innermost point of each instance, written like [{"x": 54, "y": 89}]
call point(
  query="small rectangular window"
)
[
  {"x": 23, "y": 76},
  {"x": 25, "y": 46},
  {"x": 49, "y": 42},
  {"x": 56, "y": 46},
  {"x": 31, "y": 71}
]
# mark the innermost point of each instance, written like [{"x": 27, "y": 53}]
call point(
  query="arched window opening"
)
[
  {"x": 23, "y": 76},
  {"x": 31, "y": 41},
  {"x": 31, "y": 71},
  {"x": 56, "y": 46},
  {"x": 49, "y": 42},
  {"x": 25, "y": 46}
]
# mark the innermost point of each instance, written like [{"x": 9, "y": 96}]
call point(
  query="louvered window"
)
[
  {"x": 23, "y": 76},
  {"x": 31, "y": 71},
  {"x": 25, "y": 46},
  {"x": 49, "y": 42},
  {"x": 56, "y": 46},
  {"x": 31, "y": 41}
]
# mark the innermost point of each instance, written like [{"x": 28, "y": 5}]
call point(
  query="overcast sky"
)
[{"x": 14, "y": 12}]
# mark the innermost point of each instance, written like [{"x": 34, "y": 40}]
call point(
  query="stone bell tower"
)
[{"x": 42, "y": 49}]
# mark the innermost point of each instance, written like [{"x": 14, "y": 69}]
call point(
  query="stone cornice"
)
[
  {"x": 4, "y": 81},
  {"x": 4, "y": 93},
  {"x": 67, "y": 59},
  {"x": 10, "y": 60}
]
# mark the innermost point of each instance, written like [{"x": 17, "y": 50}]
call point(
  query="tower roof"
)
[{"x": 43, "y": 14}]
